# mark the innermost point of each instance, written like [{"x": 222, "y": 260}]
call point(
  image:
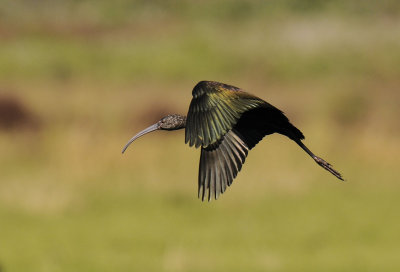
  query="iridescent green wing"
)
[
  {"x": 214, "y": 110},
  {"x": 219, "y": 165}
]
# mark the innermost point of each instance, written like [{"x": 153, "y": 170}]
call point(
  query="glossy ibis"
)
[{"x": 226, "y": 123}]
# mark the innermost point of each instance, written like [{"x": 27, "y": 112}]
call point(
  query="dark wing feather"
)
[
  {"x": 254, "y": 124},
  {"x": 227, "y": 122},
  {"x": 214, "y": 110},
  {"x": 219, "y": 165}
]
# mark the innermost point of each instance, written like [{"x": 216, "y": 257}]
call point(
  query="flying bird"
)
[{"x": 227, "y": 122}]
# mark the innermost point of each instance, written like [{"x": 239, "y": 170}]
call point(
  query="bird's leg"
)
[{"x": 321, "y": 162}]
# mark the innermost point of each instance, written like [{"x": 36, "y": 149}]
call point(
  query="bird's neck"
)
[
  {"x": 177, "y": 122},
  {"x": 181, "y": 121}
]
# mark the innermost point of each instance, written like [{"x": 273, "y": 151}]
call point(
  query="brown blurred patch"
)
[
  {"x": 89, "y": 31},
  {"x": 14, "y": 114},
  {"x": 351, "y": 109},
  {"x": 152, "y": 114},
  {"x": 148, "y": 115}
]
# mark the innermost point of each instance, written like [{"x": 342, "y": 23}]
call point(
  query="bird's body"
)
[{"x": 226, "y": 123}]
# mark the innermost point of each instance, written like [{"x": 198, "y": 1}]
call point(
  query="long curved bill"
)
[{"x": 143, "y": 132}]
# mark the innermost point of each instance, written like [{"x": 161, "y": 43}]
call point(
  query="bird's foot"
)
[{"x": 327, "y": 166}]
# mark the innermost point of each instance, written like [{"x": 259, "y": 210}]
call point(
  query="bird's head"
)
[
  {"x": 172, "y": 122},
  {"x": 169, "y": 122}
]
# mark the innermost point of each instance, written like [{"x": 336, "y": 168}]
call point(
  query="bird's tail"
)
[
  {"x": 293, "y": 132},
  {"x": 283, "y": 126}
]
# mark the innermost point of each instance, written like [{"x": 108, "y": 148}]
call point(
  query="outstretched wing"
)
[
  {"x": 227, "y": 122},
  {"x": 214, "y": 110},
  {"x": 220, "y": 163}
]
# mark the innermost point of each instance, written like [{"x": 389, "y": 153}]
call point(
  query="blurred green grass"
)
[{"x": 94, "y": 73}]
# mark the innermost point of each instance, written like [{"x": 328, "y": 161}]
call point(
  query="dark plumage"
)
[{"x": 226, "y": 123}]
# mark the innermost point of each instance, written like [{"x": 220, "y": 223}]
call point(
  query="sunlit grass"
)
[{"x": 70, "y": 201}]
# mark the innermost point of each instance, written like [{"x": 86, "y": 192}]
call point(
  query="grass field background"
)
[{"x": 87, "y": 75}]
